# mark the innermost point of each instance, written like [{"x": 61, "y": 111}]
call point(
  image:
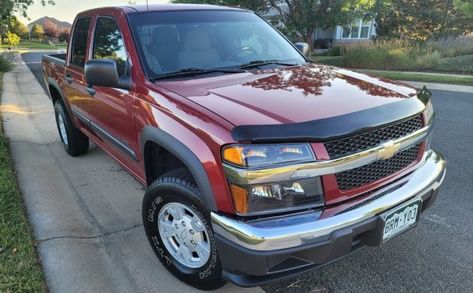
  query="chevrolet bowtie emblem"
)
[{"x": 389, "y": 149}]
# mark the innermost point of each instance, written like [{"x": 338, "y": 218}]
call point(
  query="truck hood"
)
[{"x": 288, "y": 95}]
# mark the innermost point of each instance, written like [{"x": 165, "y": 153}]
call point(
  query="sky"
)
[{"x": 66, "y": 10}]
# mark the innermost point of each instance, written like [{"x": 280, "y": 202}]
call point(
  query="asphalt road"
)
[{"x": 436, "y": 256}]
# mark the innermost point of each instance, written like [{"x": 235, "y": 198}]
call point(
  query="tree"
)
[
  {"x": 8, "y": 8},
  {"x": 64, "y": 35},
  {"x": 50, "y": 30},
  {"x": 19, "y": 28},
  {"x": 302, "y": 17},
  {"x": 12, "y": 39},
  {"x": 305, "y": 16},
  {"x": 37, "y": 32},
  {"x": 423, "y": 20},
  {"x": 464, "y": 6}
]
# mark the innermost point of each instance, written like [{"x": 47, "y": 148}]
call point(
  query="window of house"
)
[
  {"x": 108, "y": 43},
  {"x": 358, "y": 30},
  {"x": 79, "y": 42}
]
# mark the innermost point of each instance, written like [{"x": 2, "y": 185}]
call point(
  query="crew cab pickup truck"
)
[{"x": 259, "y": 164}]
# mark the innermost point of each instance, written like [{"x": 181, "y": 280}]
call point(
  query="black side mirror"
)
[
  {"x": 103, "y": 72},
  {"x": 303, "y": 47}
]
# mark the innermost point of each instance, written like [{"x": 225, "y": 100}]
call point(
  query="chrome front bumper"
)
[{"x": 306, "y": 228}]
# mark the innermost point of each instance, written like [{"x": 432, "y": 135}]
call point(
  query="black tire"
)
[
  {"x": 77, "y": 143},
  {"x": 178, "y": 187}
]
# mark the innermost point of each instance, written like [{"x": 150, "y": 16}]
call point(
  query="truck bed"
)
[{"x": 59, "y": 59}]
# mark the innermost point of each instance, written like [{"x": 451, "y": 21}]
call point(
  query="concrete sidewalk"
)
[
  {"x": 441, "y": 86},
  {"x": 85, "y": 212}
]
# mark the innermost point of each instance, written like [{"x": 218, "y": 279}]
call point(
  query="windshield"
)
[{"x": 207, "y": 39}]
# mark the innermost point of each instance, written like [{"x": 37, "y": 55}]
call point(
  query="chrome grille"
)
[
  {"x": 361, "y": 142},
  {"x": 375, "y": 171}
]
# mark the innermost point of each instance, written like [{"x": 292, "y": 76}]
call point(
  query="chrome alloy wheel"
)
[
  {"x": 184, "y": 235},
  {"x": 62, "y": 129}
]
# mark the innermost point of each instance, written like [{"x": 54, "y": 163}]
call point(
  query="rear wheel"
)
[
  {"x": 74, "y": 141},
  {"x": 178, "y": 229}
]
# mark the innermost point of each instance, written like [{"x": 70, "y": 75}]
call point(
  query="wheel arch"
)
[
  {"x": 55, "y": 91},
  {"x": 152, "y": 135}
]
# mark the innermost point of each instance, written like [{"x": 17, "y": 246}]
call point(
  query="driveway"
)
[{"x": 85, "y": 213}]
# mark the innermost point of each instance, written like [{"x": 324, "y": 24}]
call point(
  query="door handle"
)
[
  {"x": 90, "y": 90},
  {"x": 68, "y": 78}
]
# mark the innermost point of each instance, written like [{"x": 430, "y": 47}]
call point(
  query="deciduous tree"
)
[
  {"x": 64, "y": 35},
  {"x": 19, "y": 28},
  {"x": 51, "y": 30},
  {"x": 305, "y": 16},
  {"x": 37, "y": 32},
  {"x": 302, "y": 17},
  {"x": 12, "y": 39},
  {"x": 421, "y": 20},
  {"x": 8, "y": 8}
]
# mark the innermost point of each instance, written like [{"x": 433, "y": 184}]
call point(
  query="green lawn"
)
[
  {"x": 401, "y": 75},
  {"x": 20, "y": 270},
  {"x": 422, "y": 77},
  {"x": 35, "y": 45}
]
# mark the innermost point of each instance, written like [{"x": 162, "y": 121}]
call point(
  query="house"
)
[{"x": 360, "y": 31}]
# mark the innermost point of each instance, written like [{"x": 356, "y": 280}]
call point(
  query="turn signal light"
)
[{"x": 240, "y": 199}]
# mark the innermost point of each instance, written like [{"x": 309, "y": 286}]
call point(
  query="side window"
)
[
  {"x": 108, "y": 43},
  {"x": 79, "y": 42}
]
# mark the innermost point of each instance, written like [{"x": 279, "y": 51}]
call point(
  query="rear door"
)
[
  {"x": 74, "y": 79},
  {"x": 111, "y": 109}
]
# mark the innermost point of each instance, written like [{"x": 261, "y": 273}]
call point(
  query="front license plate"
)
[{"x": 400, "y": 220}]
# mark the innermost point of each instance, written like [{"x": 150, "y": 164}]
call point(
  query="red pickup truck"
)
[{"x": 259, "y": 164}]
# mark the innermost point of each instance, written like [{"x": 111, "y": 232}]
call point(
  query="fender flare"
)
[
  {"x": 53, "y": 83},
  {"x": 183, "y": 153}
]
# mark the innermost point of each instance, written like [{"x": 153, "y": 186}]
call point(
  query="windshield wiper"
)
[
  {"x": 195, "y": 71},
  {"x": 259, "y": 63}
]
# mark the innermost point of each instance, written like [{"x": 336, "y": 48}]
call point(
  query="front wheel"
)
[{"x": 178, "y": 229}]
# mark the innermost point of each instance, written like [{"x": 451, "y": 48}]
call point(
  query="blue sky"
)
[{"x": 67, "y": 9}]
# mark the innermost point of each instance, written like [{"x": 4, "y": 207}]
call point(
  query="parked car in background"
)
[{"x": 259, "y": 165}]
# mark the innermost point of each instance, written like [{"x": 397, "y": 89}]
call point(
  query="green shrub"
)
[
  {"x": 335, "y": 51},
  {"x": 365, "y": 57},
  {"x": 453, "y": 46},
  {"x": 5, "y": 64},
  {"x": 429, "y": 61},
  {"x": 460, "y": 64},
  {"x": 398, "y": 58}
]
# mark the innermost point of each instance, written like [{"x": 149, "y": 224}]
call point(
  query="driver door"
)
[{"x": 111, "y": 109}]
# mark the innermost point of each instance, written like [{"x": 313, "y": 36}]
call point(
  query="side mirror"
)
[
  {"x": 303, "y": 47},
  {"x": 104, "y": 72}
]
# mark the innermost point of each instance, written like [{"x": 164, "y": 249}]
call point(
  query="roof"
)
[
  {"x": 162, "y": 7},
  {"x": 174, "y": 7}
]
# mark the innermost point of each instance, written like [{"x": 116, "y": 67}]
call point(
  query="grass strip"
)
[{"x": 20, "y": 270}]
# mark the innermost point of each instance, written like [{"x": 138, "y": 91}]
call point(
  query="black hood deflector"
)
[{"x": 334, "y": 127}]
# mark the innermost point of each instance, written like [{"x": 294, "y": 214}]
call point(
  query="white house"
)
[{"x": 359, "y": 31}]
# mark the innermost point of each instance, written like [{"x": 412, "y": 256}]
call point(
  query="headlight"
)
[
  {"x": 274, "y": 197},
  {"x": 251, "y": 156},
  {"x": 428, "y": 112},
  {"x": 277, "y": 197}
]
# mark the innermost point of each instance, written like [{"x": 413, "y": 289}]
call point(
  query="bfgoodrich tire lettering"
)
[
  {"x": 74, "y": 141},
  {"x": 178, "y": 187}
]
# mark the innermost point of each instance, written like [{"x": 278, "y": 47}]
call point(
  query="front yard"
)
[
  {"x": 25, "y": 45},
  {"x": 408, "y": 61},
  {"x": 20, "y": 270}
]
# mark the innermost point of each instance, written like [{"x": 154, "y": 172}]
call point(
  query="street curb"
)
[{"x": 440, "y": 86}]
